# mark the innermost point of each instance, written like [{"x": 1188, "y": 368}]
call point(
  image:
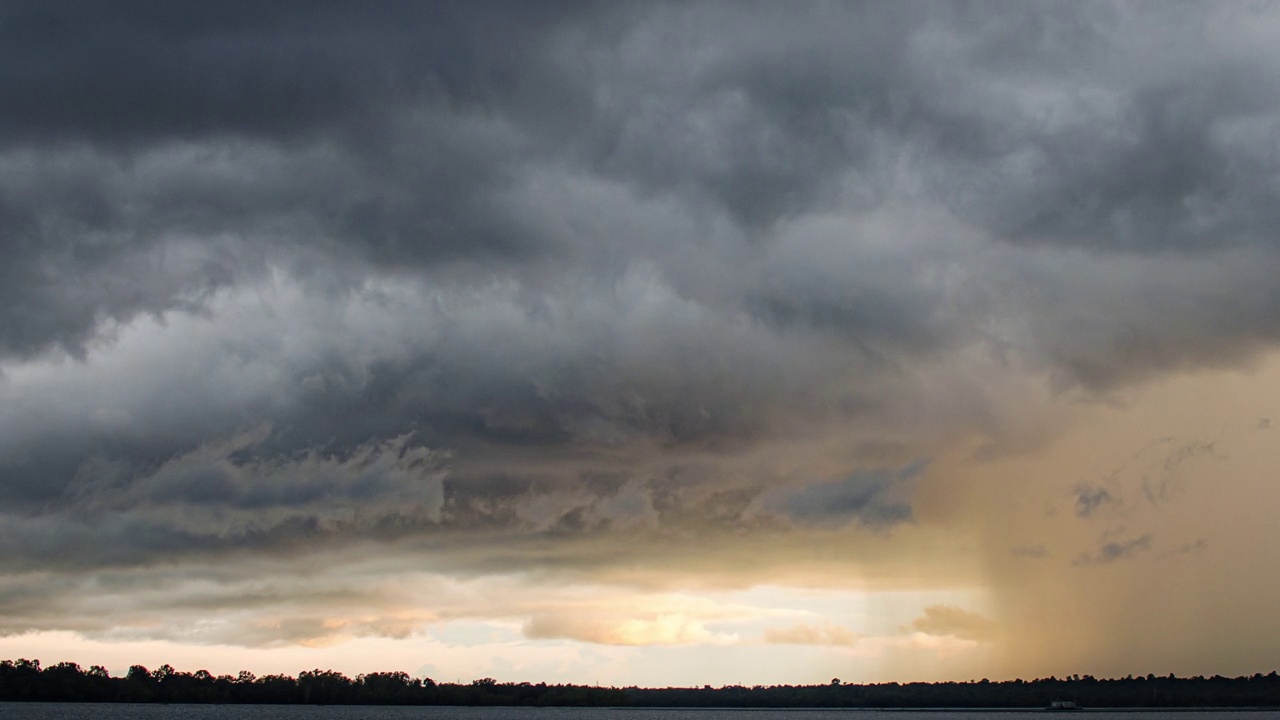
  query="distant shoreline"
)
[
  {"x": 27, "y": 681},
  {"x": 709, "y": 709}
]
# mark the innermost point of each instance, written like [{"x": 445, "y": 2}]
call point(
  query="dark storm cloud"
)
[
  {"x": 152, "y": 154},
  {"x": 129, "y": 73},
  {"x": 552, "y": 242},
  {"x": 401, "y": 134}
]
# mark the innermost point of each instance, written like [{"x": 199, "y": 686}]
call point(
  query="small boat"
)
[{"x": 1061, "y": 705}]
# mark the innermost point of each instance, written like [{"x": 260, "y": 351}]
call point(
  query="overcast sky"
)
[{"x": 657, "y": 343}]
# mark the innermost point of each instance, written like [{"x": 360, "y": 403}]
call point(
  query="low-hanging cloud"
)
[
  {"x": 948, "y": 621},
  {"x": 808, "y": 634}
]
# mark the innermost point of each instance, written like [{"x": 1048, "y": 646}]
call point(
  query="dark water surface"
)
[{"x": 77, "y": 711}]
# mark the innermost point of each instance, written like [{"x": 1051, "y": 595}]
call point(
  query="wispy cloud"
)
[
  {"x": 1115, "y": 550},
  {"x": 806, "y": 634}
]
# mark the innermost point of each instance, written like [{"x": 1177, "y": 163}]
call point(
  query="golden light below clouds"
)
[{"x": 1130, "y": 540}]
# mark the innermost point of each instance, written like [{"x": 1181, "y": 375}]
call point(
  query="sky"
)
[{"x": 641, "y": 343}]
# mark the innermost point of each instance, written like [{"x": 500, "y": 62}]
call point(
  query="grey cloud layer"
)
[
  {"x": 606, "y": 268},
  {"x": 155, "y": 157}
]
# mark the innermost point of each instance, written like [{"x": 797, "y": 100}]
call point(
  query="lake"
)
[{"x": 77, "y": 711}]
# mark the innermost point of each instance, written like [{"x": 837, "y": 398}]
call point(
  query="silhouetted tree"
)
[{"x": 26, "y": 680}]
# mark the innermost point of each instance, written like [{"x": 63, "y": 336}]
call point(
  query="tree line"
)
[{"x": 26, "y": 680}]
